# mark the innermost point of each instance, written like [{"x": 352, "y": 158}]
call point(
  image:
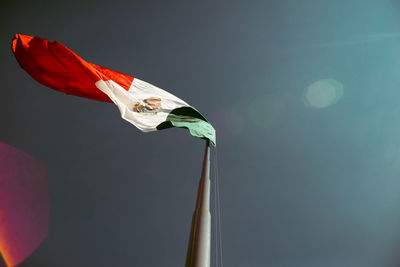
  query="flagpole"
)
[{"x": 199, "y": 247}]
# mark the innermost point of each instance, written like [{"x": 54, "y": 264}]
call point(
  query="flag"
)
[{"x": 144, "y": 105}]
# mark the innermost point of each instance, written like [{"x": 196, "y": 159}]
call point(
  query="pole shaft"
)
[{"x": 198, "y": 254}]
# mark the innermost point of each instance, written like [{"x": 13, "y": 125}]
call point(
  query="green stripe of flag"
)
[{"x": 190, "y": 118}]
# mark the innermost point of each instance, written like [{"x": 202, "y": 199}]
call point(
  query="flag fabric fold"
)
[{"x": 144, "y": 105}]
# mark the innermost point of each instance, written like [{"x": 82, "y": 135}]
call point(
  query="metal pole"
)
[{"x": 198, "y": 254}]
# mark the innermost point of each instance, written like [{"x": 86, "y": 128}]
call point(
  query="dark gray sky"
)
[{"x": 309, "y": 172}]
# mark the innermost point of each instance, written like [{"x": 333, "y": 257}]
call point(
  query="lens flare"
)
[
  {"x": 323, "y": 93},
  {"x": 24, "y": 204},
  {"x": 3, "y": 262}
]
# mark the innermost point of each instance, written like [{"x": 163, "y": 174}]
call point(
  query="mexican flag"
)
[{"x": 144, "y": 105}]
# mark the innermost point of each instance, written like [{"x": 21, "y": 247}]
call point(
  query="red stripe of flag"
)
[{"x": 55, "y": 66}]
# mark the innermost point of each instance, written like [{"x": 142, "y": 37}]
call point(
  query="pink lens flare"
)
[{"x": 24, "y": 204}]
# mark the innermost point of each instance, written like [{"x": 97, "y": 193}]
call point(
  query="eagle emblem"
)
[{"x": 148, "y": 105}]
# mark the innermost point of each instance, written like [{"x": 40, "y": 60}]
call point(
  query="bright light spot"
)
[
  {"x": 24, "y": 204},
  {"x": 323, "y": 93}
]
